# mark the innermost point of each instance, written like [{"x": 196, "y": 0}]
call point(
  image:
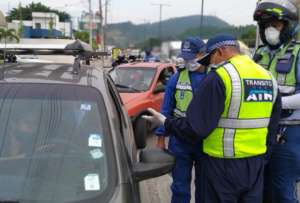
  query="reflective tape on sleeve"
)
[
  {"x": 286, "y": 89},
  {"x": 179, "y": 113}
]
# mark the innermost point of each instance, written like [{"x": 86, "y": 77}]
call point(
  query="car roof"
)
[
  {"x": 144, "y": 65},
  {"x": 52, "y": 73}
]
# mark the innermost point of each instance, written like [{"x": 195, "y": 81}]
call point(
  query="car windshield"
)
[
  {"x": 55, "y": 144},
  {"x": 133, "y": 79}
]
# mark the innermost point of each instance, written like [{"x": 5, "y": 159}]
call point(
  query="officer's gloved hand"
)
[{"x": 156, "y": 118}]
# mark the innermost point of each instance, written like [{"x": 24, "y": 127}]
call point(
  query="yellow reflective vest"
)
[
  {"x": 250, "y": 93},
  {"x": 183, "y": 94}
]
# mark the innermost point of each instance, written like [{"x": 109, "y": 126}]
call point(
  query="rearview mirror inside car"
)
[{"x": 153, "y": 163}]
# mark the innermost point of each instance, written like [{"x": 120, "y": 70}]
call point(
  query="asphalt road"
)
[{"x": 156, "y": 190}]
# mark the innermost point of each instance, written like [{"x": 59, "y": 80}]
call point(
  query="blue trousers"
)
[
  {"x": 186, "y": 158},
  {"x": 232, "y": 180},
  {"x": 285, "y": 167}
]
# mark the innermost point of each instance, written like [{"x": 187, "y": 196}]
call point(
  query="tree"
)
[
  {"x": 51, "y": 24},
  {"x": 21, "y": 28},
  {"x": 8, "y": 35},
  {"x": 84, "y": 36},
  {"x": 249, "y": 35},
  {"x": 149, "y": 43},
  {"x": 26, "y": 12}
]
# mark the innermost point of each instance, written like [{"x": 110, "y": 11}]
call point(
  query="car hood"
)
[{"x": 131, "y": 97}]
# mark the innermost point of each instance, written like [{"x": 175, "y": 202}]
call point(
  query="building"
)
[
  {"x": 2, "y": 20},
  {"x": 43, "y": 25}
]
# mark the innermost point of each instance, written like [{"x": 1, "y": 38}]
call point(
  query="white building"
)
[
  {"x": 2, "y": 20},
  {"x": 44, "y": 21}
]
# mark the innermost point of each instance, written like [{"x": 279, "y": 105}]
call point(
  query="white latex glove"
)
[{"x": 156, "y": 118}]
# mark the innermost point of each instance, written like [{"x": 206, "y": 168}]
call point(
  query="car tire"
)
[{"x": 140, "y": 131}]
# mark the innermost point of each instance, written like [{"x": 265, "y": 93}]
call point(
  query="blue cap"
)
[
  {"x": 190, "y": 47},
  {"x": 215, "y": 43}
]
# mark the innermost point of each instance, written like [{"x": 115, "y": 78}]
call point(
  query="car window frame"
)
[
  {"x": 124, "y": 120},
  {"x": 108, "y": 193}
]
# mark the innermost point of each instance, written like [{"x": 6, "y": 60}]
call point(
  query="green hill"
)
[{"x": 124, "y": 34}]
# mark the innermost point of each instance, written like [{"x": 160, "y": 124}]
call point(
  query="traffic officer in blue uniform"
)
[
  {"x": 280, "y": 54},
  {"x": 178, "y": 94},
  {"x": 235, "y": 112}
]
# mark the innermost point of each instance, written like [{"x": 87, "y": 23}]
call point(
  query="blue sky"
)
[{"x": 237, "y": 12}]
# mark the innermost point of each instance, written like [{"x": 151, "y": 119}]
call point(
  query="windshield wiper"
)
[
  {"x": 9, "y": 201},
  {"x": 126, "y": 87}
]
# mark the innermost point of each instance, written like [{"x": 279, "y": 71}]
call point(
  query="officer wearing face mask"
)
[
  {"x": 234, "y": 112},
  {"x": 280, "y": 54},
  {"x": 178, "y": 94}
]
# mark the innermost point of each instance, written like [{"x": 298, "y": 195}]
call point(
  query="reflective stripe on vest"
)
[
  {"x": 234, "y": 108},
  {"x": 243, "y": 124},
  {"x": 289, "y": 122},
  {"x": 184, "y": 86},
  {"x": 183, "y": 94}
]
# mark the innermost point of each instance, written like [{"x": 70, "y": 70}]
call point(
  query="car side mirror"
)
[
  {"x": 153, "y": 163},
  {"x": 159, "y": 89}
]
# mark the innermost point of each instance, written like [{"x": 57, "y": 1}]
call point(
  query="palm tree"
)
[{"x": 8, "y": 35}]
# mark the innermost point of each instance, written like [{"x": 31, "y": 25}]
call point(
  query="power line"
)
[{"x": 160, "y": 5}]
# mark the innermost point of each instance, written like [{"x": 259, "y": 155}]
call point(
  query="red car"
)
[{"x": 141, "y": 86}]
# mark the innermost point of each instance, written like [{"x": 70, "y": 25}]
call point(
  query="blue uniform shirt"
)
[{"x": 169, "y": 103}]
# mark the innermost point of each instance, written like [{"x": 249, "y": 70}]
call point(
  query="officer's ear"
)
[{"x": 221, "y": 52}]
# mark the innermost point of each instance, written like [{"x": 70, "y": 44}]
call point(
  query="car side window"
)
[{"x": 165, "y": 75}]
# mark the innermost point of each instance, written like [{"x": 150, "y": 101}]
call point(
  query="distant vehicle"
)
[
  {"x": 66, "y": 137},
  {"x": 141, "y": 86},
  {"x": 170, "y": 50}
]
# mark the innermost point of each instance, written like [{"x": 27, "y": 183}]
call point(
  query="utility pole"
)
[
  {"x": 90, "y": 23},
  {"x": 101, "y": 32},
  {"x": 202, "y": 16},
  {"x": 160, "y": 18},
  {"x": 105, "y": 24}
]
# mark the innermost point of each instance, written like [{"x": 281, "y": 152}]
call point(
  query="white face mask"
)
[
  {"x": 192, "y": 65},
  {"x": 272, "y": 35},
  {"x": 180, "y": 63}
]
